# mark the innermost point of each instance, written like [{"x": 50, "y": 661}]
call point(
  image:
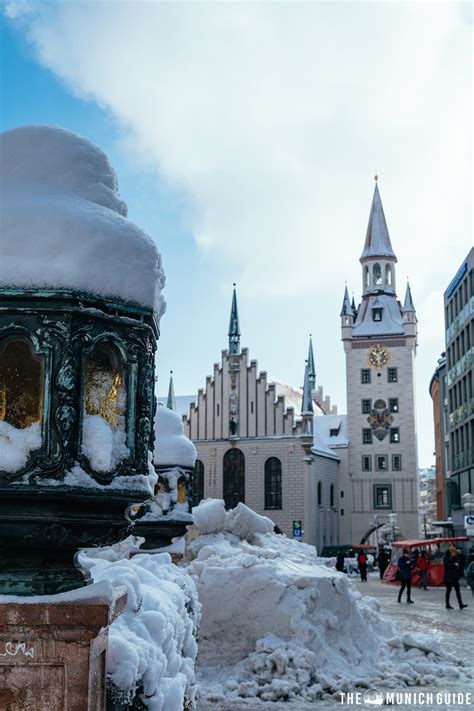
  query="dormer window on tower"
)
[{"x": 377, "y": 314}]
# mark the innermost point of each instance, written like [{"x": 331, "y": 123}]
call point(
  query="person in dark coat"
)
[
  {"x": 340, "y": 561},
  {"x": 362, "y": 561},
  {"x": 452, "y": 573},
  {"x": 405, "y": 564},
  {"x": 383, "y": 560}
]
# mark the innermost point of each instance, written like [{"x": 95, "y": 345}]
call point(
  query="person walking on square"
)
[
  {"x": 452, "y": 574},
  {"x": 470, "y": 570},
  {"x": 383, "y": 560},
  {"x": 422, "y": 564},
  {"x": 405, "y": 565},
  {"x": 362, "y": 561}
]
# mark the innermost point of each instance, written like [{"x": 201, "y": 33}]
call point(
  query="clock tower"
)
[{"x": 380, "y": 339}]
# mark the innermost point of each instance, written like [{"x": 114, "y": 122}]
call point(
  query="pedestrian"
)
[
  {"x": 362, "y": 561},
  {"x": 405, "y": 565},
  {"x": 340, "y": 561},
  {"x": 422, "y": 564},
  {"x": 452, "y": 574},
  {"x": 470, "y": 570},
  {"x": 383, "y": 560}
]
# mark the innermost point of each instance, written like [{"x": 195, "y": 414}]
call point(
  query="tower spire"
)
[
  {"x": 171, "y": 401},
  {"x": 408, "y": 304},
  {"x": 346, "y": 304},
  {"x": 307, "y": 404},
  {"x": 311, "y": 365},
  {"x": 377, "y": 240},
  {"x": 234, "y": 328}
]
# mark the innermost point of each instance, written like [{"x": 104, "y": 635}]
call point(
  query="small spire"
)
[
  {"x": 346, "y": 305},
  {"x": 353, "y": 306},
  {"x": 312, "y": 368},
  {"x": 377, "y": 240},
  {"x": 171, "y": 401},
  {"x": 307, "y": 404},
  {"x": 234, "y": 327},
  {"x": 408, "y": 305}
]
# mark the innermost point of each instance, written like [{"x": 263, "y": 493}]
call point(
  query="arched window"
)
[
  {"x": 21, "y": 385},
  {"x": 377, "y": 274},
  {"x": 331, "y": 496},
  {"x": 273, "y": 483},
  {"x": 104, "y": 416},
  {"x": 197, "y": 487},
  {"x": 367, "y": 276},
  {"x": 388, "y": 275},
  {"x": 21, "y": 404},
  {"x": 234, "y": 478},
  {"x": 320, "y": 493}
]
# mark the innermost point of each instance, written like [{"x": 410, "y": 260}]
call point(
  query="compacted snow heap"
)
[
  {"x": 152, "y": 644},
  {"x": 174, "y": 457},
  {"x": 276, "y": 625}
]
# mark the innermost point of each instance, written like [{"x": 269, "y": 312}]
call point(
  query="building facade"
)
[
  {"x": 380, "y": 340},
  {"x": 439, "y": 396},
  {"x": 459, "y": 324},
  {"x": 255, "y": 443},
  {"x": 427, "y": 504}
]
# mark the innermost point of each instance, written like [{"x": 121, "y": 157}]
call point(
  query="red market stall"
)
[{"x": 435, "y": 547}]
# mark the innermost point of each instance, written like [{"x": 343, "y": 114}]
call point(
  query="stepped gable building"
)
[
  {"x": 380, "y": 339},
  {"x": 257, "y": 443}
]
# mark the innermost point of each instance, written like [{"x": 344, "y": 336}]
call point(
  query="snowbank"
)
[
  {"x": 276, "y": 625},
  {"x": 64, "y": 225},
  {"x": 103, "y": 445},
  {"x": 16, "y": 445},
  {"x": 152, "y": 645},
  {"x": 172, "y": 447}
]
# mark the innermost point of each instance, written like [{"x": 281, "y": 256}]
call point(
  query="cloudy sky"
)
[{"x": 246, "y": 136}]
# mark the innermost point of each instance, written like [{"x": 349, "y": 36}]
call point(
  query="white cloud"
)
[{"x": 274, "y": 117}]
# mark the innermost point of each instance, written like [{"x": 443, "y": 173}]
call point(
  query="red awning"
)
[{"x": 428, "y": 542}]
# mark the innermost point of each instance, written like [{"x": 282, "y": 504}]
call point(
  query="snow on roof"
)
[
  {"x": 325, "y": 439},
  {"x": 172, "y": 447},
  {"x": 391, "y": 322},
  {"x": 64, "y": 225},
  {"x": 293, "y": 397}
]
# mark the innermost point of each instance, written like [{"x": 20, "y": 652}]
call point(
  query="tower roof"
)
[
  {"x": 171, "y": 401},
  {"x": 311, "y": 365},
  {"x": 307, "y": 404},
  {"x": 346, "y": 305},
  {"x": 234, "y": 327},
  {"x": 377, "y": 240},
  {"x": 408, "y": 304}
]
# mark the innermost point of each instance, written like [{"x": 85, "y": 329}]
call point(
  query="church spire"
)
[
  {"x": 346, "y": 305},
  {"x": 234, "y": 328},
  {"x": 408, "y": 305},
  {"x": 171, "y": 401},
  {"x": 312, "y": 368},
  {"x": 307, "y": 404},
  {"x": 377, "y": 240}
]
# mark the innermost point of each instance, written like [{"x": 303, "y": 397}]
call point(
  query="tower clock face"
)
[{"x": 378, "y": 356}]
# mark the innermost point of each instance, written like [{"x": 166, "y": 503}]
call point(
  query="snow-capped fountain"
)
[{"x": 80, "y": 302}]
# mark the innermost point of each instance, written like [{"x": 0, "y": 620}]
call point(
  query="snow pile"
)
[
  {"x": 64, "y": 225},
  {"x": 276, "y": 625},
  {"x": 103, "y": 445},
  {"x": 152, "y": 645},
  {"x": 16, "y": 445},
  {"x": 172, "y": 447}
]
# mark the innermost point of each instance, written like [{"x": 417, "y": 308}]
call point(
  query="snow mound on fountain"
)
[
  {"x": 64, "y": 225},
  {"x": 172, "y": 447},
  {"x": 152, "y": 644},
  {"x": 276, "y": 625}
]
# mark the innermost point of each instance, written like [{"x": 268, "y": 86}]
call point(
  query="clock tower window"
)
[{"x": 377, "y": 274}]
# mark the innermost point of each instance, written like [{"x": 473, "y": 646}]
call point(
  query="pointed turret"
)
[
  {"x": 346, "y": 305},
  {"x": 408, "y": 305},
  {"x": 311, "y": 366},
  {"x": 353, "y": 306},
  {"x": 307, "y": 412},
  {"x": 171, "y": 401},
  {"x": 377, "y": 240},
  {"x": 234, "y": 328}
]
